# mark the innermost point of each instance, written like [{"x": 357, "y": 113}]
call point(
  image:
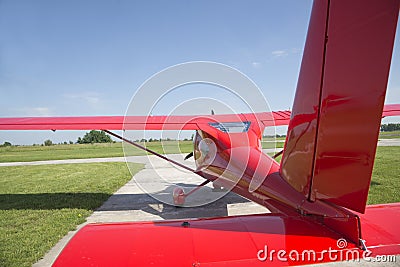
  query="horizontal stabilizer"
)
[{"x": 206, "y": 242}]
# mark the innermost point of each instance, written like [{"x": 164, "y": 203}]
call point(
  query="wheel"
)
[{"x": 178, "y": 196}]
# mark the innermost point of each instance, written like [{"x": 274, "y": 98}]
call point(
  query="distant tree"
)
[
  {"x": 94, "y": 137},
  {"x": 7, "y": 144},
  {"x": 70, "y": 142},
  {"x": 48, "y": 142},
  {"x": 390, "y": 127}
]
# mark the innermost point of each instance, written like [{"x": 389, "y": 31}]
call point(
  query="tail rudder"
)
[{"x": 331, "y": 141}]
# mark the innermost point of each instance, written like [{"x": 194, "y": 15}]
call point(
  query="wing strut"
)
[
  {"x": 152, "y": 152},
  {"x": 179, "y": 195}
]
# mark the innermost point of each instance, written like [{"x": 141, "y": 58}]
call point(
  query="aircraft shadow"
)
[
  {"x": 47, "y": 201},
  {"x": 116, "y": 202},
  {"x": 148, "y": 204},
  {"x": 145, "y": 203}
]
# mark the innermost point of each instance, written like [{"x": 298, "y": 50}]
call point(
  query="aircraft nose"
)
[{"x": 208, "y": 151}]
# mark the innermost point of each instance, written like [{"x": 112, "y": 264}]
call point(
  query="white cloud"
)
[
  {"x": 256, "y": 65},
  {"x": 279, "y": 53},
  {"x": 44, "y": 111},
  {"x": 89, "y": 97},
  {"x": 285, "y": 52}
]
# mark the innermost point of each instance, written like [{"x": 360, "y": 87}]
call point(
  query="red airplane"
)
[{"x": 317, "y": 195}]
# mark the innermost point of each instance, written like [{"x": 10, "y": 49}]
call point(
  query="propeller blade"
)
[
  {"x": 188, "y": 156},
  {"x": 277, "y": 154}
]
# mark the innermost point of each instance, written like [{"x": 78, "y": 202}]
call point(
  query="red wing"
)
[
  {"x": 137, "y": 122},
  {"x": 275, "y": 118},
  {"x": 62, "y": 123},
  {"x": 391, "y": 110}
]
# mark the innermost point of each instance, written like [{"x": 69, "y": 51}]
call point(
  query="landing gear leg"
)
[{"x": 179, "y": 195}]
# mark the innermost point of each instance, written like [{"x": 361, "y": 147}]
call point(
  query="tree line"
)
[
  {"x": 390, "y": 127},
  {"x": 89, "y": 138},
  {"x": 94, "y": 137},
  {"x": 101, "y": 137}
]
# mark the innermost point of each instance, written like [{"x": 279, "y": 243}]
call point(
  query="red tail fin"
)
[{"x": 332, "y": 136}]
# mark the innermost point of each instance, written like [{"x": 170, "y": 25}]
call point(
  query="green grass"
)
[
  {"x": 385, "y": 184},
  {"x": 81, "y": 151},
  {"x": 389, "y": 135},
  {"x": 35, "y": 153},
  {"x": 75, "y": 151},
  {"x": 271, "y": 144},
  {"x": 40, "y": 204}
]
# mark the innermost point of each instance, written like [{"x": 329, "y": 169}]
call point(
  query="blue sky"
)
[{"x": 70, "y": 58}]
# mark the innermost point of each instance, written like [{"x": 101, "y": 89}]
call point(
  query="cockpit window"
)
[{"x": 232, "y": 127}]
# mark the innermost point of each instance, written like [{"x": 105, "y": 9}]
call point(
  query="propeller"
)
[{"x": 188, "y": 156}]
